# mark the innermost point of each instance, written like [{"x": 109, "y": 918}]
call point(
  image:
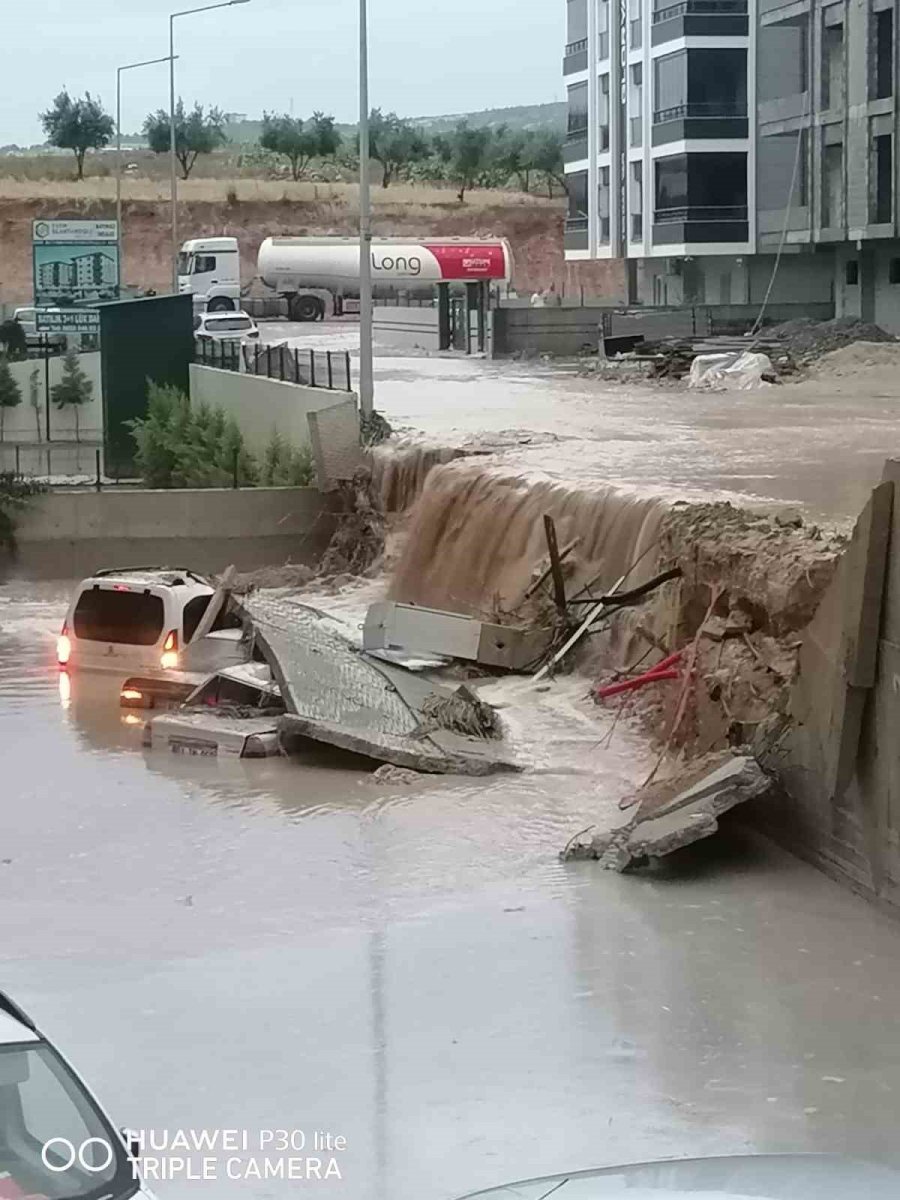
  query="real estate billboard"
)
[{"x": 75, "y": 262}]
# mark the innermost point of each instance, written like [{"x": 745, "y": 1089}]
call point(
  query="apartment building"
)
[{"x": 707, "y": 137}]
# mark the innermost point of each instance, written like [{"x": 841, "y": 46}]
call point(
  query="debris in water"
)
[
  {"x": 358, "y": 541},
  {"x": 462, "y": 712},
  {"x": 665, "y": 822},
  {"x": 388, "y": 773}
]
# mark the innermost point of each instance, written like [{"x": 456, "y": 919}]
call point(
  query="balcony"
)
[
  {"x": 575, "y": 57},
  {"x": 707, "y": 18},
  {"x": 577, "y": 234},
  {"x": 714, "y": 120},
  {"x": 698, "y": 223},
  {"x": 576, "y": 144}
]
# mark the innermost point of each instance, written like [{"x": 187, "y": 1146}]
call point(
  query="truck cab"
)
[{"x": 210, "y": 270}]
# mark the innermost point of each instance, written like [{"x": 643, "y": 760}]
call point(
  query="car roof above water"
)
[
  {"x": 12, "y": 1024},
  {"x": 150, "y": 577}
]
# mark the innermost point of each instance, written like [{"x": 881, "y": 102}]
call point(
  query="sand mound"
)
[
  {"x": 856, "y": 359},
  {"x": 806, "y": 339}
]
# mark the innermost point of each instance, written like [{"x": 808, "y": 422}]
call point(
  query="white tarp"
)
[{"x": 725, "y": 372}]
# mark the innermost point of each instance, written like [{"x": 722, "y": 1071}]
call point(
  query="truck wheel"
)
[
  {"x": 220, "y": 304},
  {"x": 304, "y": 308}
]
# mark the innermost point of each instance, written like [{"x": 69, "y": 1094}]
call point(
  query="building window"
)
[
  {"x": 700, "y": 83},
  {"x": 603, "y": 30},
  {"x": 577, "y": 122},
  {"x": 784, "y": 50},
  {"x": 603, "y": 113},
  {"x": 881, "y": 204},
  {"x": 576, "y": 25},
  {"x": 832, "y": 65},
  {"x": 635, "y": 26},
  {"x": 603, "y": 205},
  {"x": 577, "y": 184},
  {"x": 636, "y": 205},
  {"x": 894, "y": 270},
  {"x": 636, "y": 103},
  {"x": 881, "y": 72},
  {"x": 701, "y": 187},
  {"x": 851, "y": 273},
  {"x": 832, "y": 186}
]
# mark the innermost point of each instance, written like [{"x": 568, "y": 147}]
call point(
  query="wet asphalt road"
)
[{"x": 270, "y": 945}]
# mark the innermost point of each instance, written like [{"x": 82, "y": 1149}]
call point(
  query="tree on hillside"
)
[
  {"x": 395, "y": 144},
  {"x": 10, "y": 392},
  {"x": 197, "y": 132},
  {"x": 300, "y": 141},
  {"x": 77, "y": 125},
  {"x": 74, "y": 389},
  {"x": 545, "y": 154},
  {"x": 466, "y": 155}
]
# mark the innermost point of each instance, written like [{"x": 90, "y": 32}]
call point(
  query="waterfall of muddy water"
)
[
  {"x": 476, "y": 537},
  {"x": 399, "y": 471}
]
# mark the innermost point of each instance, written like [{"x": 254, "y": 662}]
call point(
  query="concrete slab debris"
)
[
  {"x": 336, "y": 693},
  {"x": 661, "y": 826},
  {"x": 393, "y": 626}
]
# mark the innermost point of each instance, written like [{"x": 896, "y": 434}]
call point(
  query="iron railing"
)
[
  {"x": 718, "y": 212},
  {"x": 711, "y": 8},
  {"x": 576, "y": 224},
  {"x": 313, "y": 368},
  {"x": 710, "y": 110},
  {"x": 575, "y": 47}
]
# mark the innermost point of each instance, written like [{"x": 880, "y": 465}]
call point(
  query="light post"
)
[
  {"x": 174, "y": 176},
  {"x": 128, "y": 67},
  {"x": 366, "y": 383}
]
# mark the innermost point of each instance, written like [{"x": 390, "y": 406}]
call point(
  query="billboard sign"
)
[
  {"x": 75, "y": 262},
  {"x": 67, "y": 320}
]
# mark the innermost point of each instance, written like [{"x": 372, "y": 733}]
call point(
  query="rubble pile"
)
[{"x": 806, "y": 339}]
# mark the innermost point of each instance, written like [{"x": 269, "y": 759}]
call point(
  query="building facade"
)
[{"x": 708, "y": 138}]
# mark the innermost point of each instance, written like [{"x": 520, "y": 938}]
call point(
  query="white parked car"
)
[
  {"x": 226, "y": 327},
  {"x": 139, "y": 624},
  {"x": 55, "y": 1139}
]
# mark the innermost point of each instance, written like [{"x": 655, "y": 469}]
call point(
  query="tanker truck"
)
[{"x": 312, "y": 273}]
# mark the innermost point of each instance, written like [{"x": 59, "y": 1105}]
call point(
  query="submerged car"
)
[
  {"x": 56, "y": 1142},
  {"x": 738, "y": 1177},
  {"x": 233, "y": 714},
  {"x": 140, "y": 624}
]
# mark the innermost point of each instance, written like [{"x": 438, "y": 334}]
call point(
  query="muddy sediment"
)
[{"x": 750, "y": 584}]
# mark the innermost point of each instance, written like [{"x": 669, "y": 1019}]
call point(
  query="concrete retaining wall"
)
[
  {"x": 20, "y": 424},
  {"x": 262, "y": 405},
  {"x": 409, "y": 328},
  {"x": 68, "y": 534}
]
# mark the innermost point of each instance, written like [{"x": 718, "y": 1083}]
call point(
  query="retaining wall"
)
[
  {"x": 261, "y": 405},
  {"x": 408, "y": 328},
  {"x": 69, "y": 534}
]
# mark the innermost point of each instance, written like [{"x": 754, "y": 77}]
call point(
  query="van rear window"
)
[{"x": 126, "y": 618}]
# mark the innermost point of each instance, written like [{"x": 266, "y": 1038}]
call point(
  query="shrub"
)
[
  {"x": 284, "y": 465},
  {"x": 15, "y": 495}
]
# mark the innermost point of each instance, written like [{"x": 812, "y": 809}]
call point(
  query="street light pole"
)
[
  {"x": 128, "y": 67},
  {"x": 366, "y": 383},
  {"x": 173, "y": 184}
]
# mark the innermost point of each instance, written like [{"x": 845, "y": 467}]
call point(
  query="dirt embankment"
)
[{"x": 534, "y": 229}]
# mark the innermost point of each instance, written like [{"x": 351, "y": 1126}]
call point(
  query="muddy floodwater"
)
[
  {"x": 272, "y": 945},
  {"x": 819, "y": 445}
]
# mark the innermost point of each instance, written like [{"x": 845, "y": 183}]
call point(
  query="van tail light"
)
[
  {"x": 63, "y": 647},
  {"x": 169, "y": 657}
]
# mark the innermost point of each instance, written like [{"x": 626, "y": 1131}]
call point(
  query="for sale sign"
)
[{"x": 75, "y": 262}]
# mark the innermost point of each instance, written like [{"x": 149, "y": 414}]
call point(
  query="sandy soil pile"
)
[
  {"x": 858, "y": 358},
  {"x": 806, "y": 339}
]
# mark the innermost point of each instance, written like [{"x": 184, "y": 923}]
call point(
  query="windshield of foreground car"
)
[{"x": 54, "y": 1142}]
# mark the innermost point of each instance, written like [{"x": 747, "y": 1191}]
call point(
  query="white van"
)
[{"x": 138, "y": 624}]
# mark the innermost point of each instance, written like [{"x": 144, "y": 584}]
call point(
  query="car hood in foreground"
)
[{"x": 751, "y": 1177}]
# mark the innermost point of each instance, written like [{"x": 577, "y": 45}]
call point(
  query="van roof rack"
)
[
  {"x": 155, "y": 567},
  {"x": 8, "y": 1005}
]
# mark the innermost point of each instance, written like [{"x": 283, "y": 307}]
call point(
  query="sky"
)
[{"x": 425, "y": 59}]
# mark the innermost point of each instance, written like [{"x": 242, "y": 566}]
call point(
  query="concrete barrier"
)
[
  {"x": 261, "y": 405},
  {"x": 68, "y": 534},
  {"x": 25, "y": 423},
  {"x": 407, "y": 328}
]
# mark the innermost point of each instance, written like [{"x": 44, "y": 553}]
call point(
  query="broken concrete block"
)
[{"x": 661, "y": 826}]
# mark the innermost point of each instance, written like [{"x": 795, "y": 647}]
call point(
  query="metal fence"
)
[{"x": 289, "y": 364}]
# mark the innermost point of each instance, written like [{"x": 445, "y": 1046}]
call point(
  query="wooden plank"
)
[{"x": 559, "y": 585}]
